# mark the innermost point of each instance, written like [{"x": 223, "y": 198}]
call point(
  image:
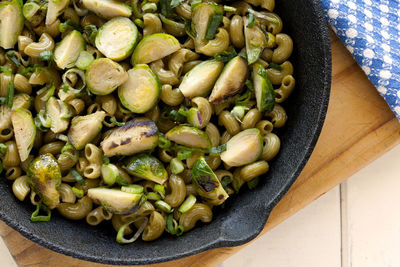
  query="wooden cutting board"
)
[{"x": 359, "y": 127}]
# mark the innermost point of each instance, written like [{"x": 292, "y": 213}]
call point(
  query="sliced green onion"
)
[
  {"x": 229, "y": 9},
  {"x": 238, "y": 112},
  {"x": 120, "y": 236},
  {"x": 30, "y": 9},
  {"x": 6, "y": 70},
  {"x": 84, "y": 60},
  {"x": 3, "y": 149},
  {"x": 13, "y": 58},
  {"x": 226, "y": 56},
  {"x": 66, "y": 150},
  {"x": 78, "y": 178},
  {"x": 171, "y": 22},
  {"x": 90, "y": 32},
  {"x": 176, "y": 166},
  {"x": 160, "y": 189},
  {"x": 132, "y": 188},
  {"x": 10, "y": 94},
  {"x": 35, "y": 217},
  {"x": 163, "y": 142},
  {"x": 39, "y": 125},
  {"x": 183, "y": 154},
  {"x": 49, "y": 89},
  {"x": 187, "y": 204},
  {"x": 149, "y": 7},
  {"x": 153, "y": 196},
  {"x": 252, "y": 21},
  {"x": 121, "y": 181},
  {"x": 109, "y": 172},
  {"x": 253, "y": 183},
  {"x": 217, "y": 149},
  {"x": 275, "y": 66},
  {"x": 79, "y": 193},
  {"x": 48, "y": 56},
  {"x": 106, "y": 160},
  {"x": 63, "y": 26},
  {"x": 262, "y": 16},
  {"x": 172, "y": 226},
  {"x": 164, "y": 206},
  {"x": 114, "y": 120},
  {"x": 139, "y": 23}
]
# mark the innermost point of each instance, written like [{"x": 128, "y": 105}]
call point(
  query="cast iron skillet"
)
[{"x": 245, "y": 215}]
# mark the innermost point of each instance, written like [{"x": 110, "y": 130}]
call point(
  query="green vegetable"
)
[
  {"x": 226, "y": 56},
  {"x": 48, "y": 56},
  {"x": 163, "y": 142},
  {"x": 244, "y": 99},
  {"x": 178, "y": 115},
  {"x": 176, "y": 166},
  {"x": 273, "y": 65},
  {"x": 265, "y": 94},
  {"x": 154, "y": 47},
  {"x": 30, "y": 9},
  {"x": 10, "y": 95},
  {"x": 160, "y": 189},
  {"x": 164, "y": 206},
  {"x": 103, "y": 76},
  {"x": 137, "y": 135},
  {"x": 54, "y": 112},
  {"x": 194, "y": 117},
  {"x": 85, "y": 128},
  {"x": 114, "y": 200},
  {"x": 207, "y": 184},
  {"x": 231, "y": 81},
  {"x": 117, "y": 38},
  {"x": 187, "y": 204},
  {"x": 108, "y": 9},
  {"x": 252, "y": 21},
  {"x": 133, "y": 189},
  {"x": 35, "y": 217},
  {"x": 153, "y": 196},
  {"x": 78, "y": 178},
  {"x": 200, "y": 80},
  {"x": 45, "y": 177},
  {"x": 206, "y": 18},
  {"x": 120, "y": 235},
  {"x": 172, "y": 226},
  {"x": 68, "y": 25},
  {"x": 67, "y": 51},
  {"x": 84, "y": 60},
  {"x": 13, "y": 58},
  {"x": 11, "y": 23},
  {"x": 189, "y": 136},
  {"x": 147, "y": 167},
  {"x": 141, "y": 91},
  {"x": 24, "y": 131},
  {"x": 90, "y": 32},
  {"x": 244, "y": 148},
  {"x": 54, "y": 9},
  {"x": 238, "y": 112},
  {"x": 253, "y": 183},
  {"x": 109, "y": 172},
  {"x": 3, "y": 150},
  {"x": 255, "y": 41}
]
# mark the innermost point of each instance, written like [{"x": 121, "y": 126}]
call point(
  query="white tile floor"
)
[{"x": 356, "y": 224}]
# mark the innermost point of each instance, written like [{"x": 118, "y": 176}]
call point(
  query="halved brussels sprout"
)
[
  {"x": 231, "y": 80},
  {"x": 207, "y": 184},
  {"x": 189, "y": 136},
  {"x": 44, "y": 177},
  {"x": 22, "y": 101},
  {"x": 147, "y": 167},
  {"x": 199, "y": 80},
  {"x": 58, "y": 113},
  {"x": 117, "y": 38},
  {"x": 5, "y": 117},
  {"x": 154, "y": 47},
  {"x": 11, "y": 23},
  {"x": 265, "y": 94},
  {"x": 205, "y": 21},
  {"x": 141, "y": 91},
  {"x": 103, "y": 76},
  {"x": 244, "y": 148},
  {"x": 108, "y": 9},
  {"x": 67, "y": 51},
  {"x": 137, "y": 135},
  {"x": 24, "y": 131},
  {"x": 114, "y": 200},
  {"x": 54, "y": 9},
  {"x": 255, "y": 41},
  {"x": 85, "y": 128}
]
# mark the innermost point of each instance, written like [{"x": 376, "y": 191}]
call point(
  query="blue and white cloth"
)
[{"x": 370, "y": 29}]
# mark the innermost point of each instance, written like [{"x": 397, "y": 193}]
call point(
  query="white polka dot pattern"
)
[{"x": 370, "y": 30}]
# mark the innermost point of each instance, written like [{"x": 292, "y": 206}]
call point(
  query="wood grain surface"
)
[{"x": 359, "y": 127}]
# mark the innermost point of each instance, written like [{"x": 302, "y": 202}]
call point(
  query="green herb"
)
[
  {"x": 121, "y": 181},
  {"x": 13, "y": 58},
  {"x": 252, "y": 21},
  {"x": 183, "y": 154},
  {"x": 226, "y": 56},
  {"x": 78, "y": 178},
  {"x": 244, "y": 99},
  {"x": 175, "y": 3},
  {"x": 166, "y": 9},
  {"x": 179, "y": 115},
  {"x": 69, "y": 23},
  {"x": 188, "y": 28},
  {"x": 273, "y": 65},
  {"x": 6, "y": 70},
  {"x": 225, "y": 181},
  {"x": 90, "y": 32},
  {"x": 213, "y": 24},
  {"x": 106, "y": 160},
  {"x": 253, "y": 183},
  {"x": 79, "y": 193},
  {"x": 113, "y": 120},
  {"x": 35, "y": 217},
  {"x": 10, "y": 95},
  {"x": 3, "y": 149},
  {"x": 47, "y": 56}
]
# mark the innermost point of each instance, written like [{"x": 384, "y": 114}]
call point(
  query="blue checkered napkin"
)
[{"x": 370, "y": 29}]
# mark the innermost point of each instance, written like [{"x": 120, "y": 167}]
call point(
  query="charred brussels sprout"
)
[
  {"x": 207, "y": 184},
  {"x": 137, "y": 135},
  {"x": 44, "y": 177},
  {"x": 147, "y": 167},
  {"x": 244, "y": 148},
  {"x": 114, "y": 200},
  {"x": 189, "y": 136}
]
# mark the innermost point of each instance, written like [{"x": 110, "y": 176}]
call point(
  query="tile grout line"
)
[{"x": 344, "y": 233}]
